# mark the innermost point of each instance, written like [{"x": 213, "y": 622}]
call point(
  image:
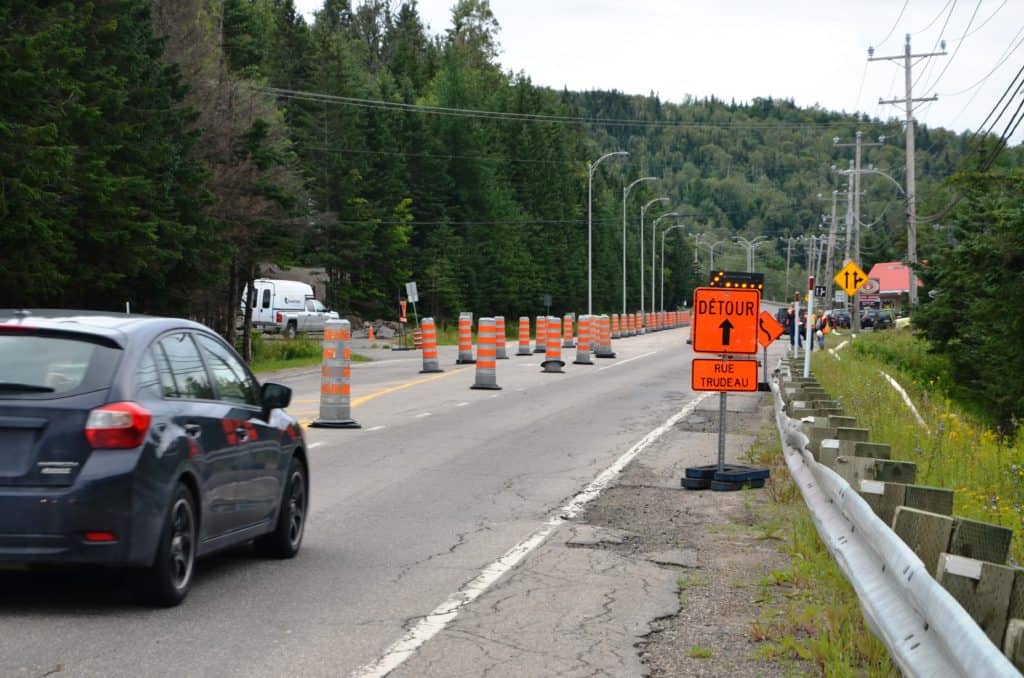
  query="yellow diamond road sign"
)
[{"x": 851, "y": 278}]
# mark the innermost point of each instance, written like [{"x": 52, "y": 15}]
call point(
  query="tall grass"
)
[{"x": 952, "y": 449}]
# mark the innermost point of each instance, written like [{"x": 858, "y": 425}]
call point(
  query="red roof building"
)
[{"x": 893, "y": 280}]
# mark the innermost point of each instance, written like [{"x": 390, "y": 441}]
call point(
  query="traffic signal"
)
[{"x": 739, "y": 279}]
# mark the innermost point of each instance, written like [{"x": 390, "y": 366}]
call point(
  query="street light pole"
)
[
  {"x": 750, "y": 245},
  {"x": 625, "y": 196},
  {"x": 711, "y": 264},
  {"x": 591, "y": 166},
  {"x": 663, "y": 234},
  {"x": 643, "y": 210},
  {"x": 654, "y": 249}
]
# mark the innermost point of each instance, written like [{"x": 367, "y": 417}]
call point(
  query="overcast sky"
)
[{"x": 811, "y": 51}]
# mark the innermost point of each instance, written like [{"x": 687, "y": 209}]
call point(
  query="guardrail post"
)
[{"x": 982, "y": 588}]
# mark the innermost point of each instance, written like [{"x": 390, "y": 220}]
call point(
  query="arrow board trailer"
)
[
  {"x": 708, "y": 374},
  {"x": 725, "y": 320}
]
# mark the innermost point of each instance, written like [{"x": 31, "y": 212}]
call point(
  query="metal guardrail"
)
[{"x": 926, "y": 631}]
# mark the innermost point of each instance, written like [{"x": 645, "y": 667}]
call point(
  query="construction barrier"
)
[
  {"x": 335, "y": 377},
  {"x": 640, "y": 329},
  {"x": 417, "y": 338},
  {"x": 540, "y": 343},
  {"x": 524, "y": 336},
  {"x": 553, "y": 350},
  {"x": 616, "y": 331},
  {"x": 465, "y": 339},
  {"x": 583, "y": 345},
  {"x": 603, "y": 346},
  {"x": 499, "y": 336},
  {"x": 429, "y": 332},
  {"x": 486, "y": 367},
  {"x": 630, "y": 325},
  {"x": 567, "y": 340}
]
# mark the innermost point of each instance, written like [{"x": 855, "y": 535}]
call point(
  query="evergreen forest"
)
[{"x": 162, "y": 152}]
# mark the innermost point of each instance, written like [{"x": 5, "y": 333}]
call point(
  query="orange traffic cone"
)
[{"x": 369, "y": 332}]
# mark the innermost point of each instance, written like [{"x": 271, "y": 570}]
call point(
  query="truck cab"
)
[{"x": 288, "y": 306}]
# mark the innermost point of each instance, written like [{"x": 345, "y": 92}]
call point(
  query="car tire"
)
[
  {"x": 290, "y": 331},
  {"x": 286, "y": 539},
  {"x": 168, "y": 580}
]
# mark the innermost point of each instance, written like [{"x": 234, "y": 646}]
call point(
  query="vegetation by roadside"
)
[
  {"x": 285, "y": 353},
  {"x": 808, "y": 610},
  {"x": 953, "y": 448}
]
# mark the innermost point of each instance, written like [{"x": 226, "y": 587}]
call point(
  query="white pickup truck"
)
[{"x": 288, "y": 306}]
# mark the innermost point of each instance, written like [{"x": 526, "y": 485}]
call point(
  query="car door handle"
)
[
  {"x": 194, "y": 430},
  {"x": 242, "y": 433}
]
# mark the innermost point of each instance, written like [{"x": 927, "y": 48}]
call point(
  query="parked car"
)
[
  {"x": 140, "y": 442},
  {"x": 287, "y": 306},
  {"x": 877, "y": 318},
  {"x": 840, "y": 317}
]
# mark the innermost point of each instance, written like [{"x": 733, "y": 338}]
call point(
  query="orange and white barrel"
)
[
  {"x": 465, "y": 339},
  {"x": 586, "y": 322},
  {"x": 499, "y": 337},
  {"x": 430, "y": 361},
  {"x": 336, "y": 377},
  {"x": 486, "y": 367},
  {"x": 524, "y": 336},
  {"x": 553, "y": 349},
  {"x": 567, "y": 336},
  {"x": 541, "y": 341}
]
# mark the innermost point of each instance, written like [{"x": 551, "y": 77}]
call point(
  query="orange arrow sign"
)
[
  {"x": 768, "y": 329},
  {"x": 725, "y": 320}
]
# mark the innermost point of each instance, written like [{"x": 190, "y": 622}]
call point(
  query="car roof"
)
[{"x": 115, "y": 326}]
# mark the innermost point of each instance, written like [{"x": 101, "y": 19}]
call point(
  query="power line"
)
[
  {"x": 1010, "y": 49},
  {"x": 938, "y": 41},
  {"x": 932, "y": 22},
  {"x": 541, "y": 117},
  {"x": 957, "y": 50},
  {"x": 990, "y": 17},
  {"x": 894, "y": 25}
]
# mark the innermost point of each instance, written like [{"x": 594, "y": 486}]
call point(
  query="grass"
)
[
  {"x": 809, "y": 612},
  {"x": 285, "y": 353},
  {"x": 700, "y": 652},
  {"x": 952, "y": 449}
]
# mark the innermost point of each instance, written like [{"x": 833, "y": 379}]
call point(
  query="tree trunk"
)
[{"x": 250, "y": 284}]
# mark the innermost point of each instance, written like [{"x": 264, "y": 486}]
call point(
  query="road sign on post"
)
[
  {"x": 723, "y": 375},
  {"x": 725, "y": 320},
  {"x": 410, "y": 292},
  {"x": 851, "y": 278},
  {"x": 768, "y": 329}
]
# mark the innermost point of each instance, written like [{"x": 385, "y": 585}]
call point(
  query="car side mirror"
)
[{"x": 276, "y": 396}]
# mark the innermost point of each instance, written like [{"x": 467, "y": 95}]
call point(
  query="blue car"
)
[{"x": 140, "y": 442}]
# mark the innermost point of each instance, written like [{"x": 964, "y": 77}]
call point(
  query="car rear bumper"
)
[{"x": 47, "y": 526}]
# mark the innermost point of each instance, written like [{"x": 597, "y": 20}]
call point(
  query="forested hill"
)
[{"x": 158, "y": 151}]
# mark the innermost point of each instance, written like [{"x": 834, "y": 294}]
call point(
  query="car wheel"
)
[
  {"x": 285, "y": 540},
  {"x": 167, "y": 581},
  {"x": 291, "y": 330}
]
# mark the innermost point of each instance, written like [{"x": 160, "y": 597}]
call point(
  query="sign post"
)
[
  {"x": 810, "y": 326},
  {"x": 851, "y": 278},
  {"x": 413, "y": 296},
  {"x": 768, "y": 330},
  {"x": 724, "y": 321}
]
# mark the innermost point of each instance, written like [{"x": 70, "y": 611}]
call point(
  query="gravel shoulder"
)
[{"x": 651, "y": 580}]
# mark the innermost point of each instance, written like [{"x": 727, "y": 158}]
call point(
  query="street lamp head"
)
[
  {"x": 871, "y": 52},
  {"x": 835, "y": 140}
]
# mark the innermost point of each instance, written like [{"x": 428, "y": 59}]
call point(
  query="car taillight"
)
[
  {"x": 117, "y": 426},
  {"x": 280, "y": 318}
]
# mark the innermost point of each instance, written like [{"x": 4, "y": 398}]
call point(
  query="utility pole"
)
[{"x": 911, "y": 192}]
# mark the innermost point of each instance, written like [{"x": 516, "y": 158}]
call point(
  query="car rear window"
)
[{"x": 40, "y": 365}]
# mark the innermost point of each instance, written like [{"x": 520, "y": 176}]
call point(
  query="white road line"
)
[
  {"x": 627, "y": 360},
  {"x": 435, "y": 622},
  {"x": 423, "y": 414},
  {"x": 313, "y": 446},
  {"x": 461, "y": 404},
  {"x": 375, "y": 428}
]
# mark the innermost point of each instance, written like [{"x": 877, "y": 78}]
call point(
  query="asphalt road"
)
[{"x": 440, "y": 481}]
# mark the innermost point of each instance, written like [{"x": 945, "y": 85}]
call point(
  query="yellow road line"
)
[{"x": 356, "y": 402}]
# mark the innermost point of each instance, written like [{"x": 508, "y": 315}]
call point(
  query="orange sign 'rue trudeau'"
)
[
  {"x": 708, "y": 374},
  {"x": 725, "y": 320}
]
